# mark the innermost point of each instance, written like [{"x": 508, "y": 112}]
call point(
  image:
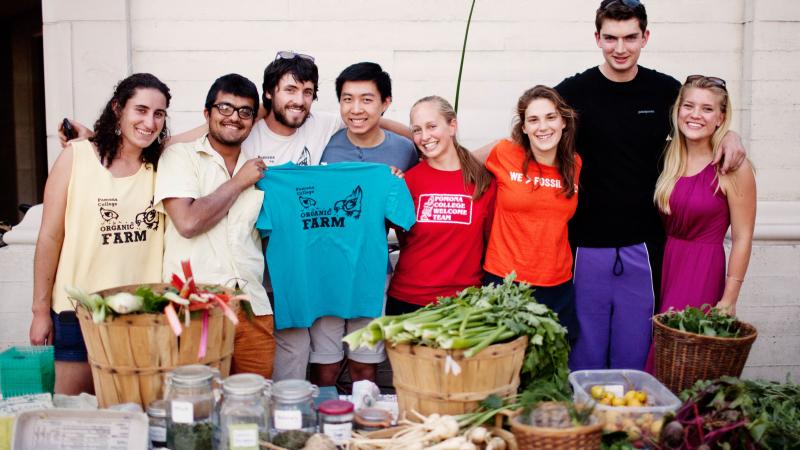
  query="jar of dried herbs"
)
[
  {"x": 292, "y": 407},
  {"x": 157, "y": 416},
  {"x": 243, "y": 411},
  {"x": 190, "y": 421}
]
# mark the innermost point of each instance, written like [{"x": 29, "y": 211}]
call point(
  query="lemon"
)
[
  {"x": 642, "y": 396},
  {"x": 633, "y": 402},
  {"x": 616, "y": 401},
  {"x": 605, "y": 401},
  {"x": 597, "y": 392},
  {"x": 630, "y": 394}
]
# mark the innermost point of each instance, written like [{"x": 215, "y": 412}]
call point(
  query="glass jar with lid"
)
[
  {"x": 190, "y": 419},
  {"x": 372, "y": 419},
  {"x": 157, "y": 416},
  {"x": 292, "y": 407},
  {"x": 336, "y": 420},
  {"x": 243, "y": 412}
]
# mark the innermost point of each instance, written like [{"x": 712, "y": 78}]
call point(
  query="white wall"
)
[{"x": 753, "y": 44}]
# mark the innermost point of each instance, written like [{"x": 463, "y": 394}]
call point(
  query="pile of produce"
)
[
  {"x": 630, "y": 398},
  {"x": 633, "y": 404},
  {"x": 736, "y": 414},
  {"x": 534, "y": 395},
  {"x": 185, "y": 293},
  {"x": 477, "y": 318},
  {"x": 433, "y": 432},
  {"x": 706, "y": 321}
]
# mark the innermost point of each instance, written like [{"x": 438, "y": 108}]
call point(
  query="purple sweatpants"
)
[{"x": 614, "y": 300}]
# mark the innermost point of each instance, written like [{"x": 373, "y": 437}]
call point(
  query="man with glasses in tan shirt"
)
[{"x": 206, "y": 188}]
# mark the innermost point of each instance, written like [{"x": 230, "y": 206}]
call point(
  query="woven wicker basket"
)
[
  {"x": 681, "y": 358},
  {"x": 423, "y": 384},
  {"x": 130, "y": 354},
  {"x": 585, "y": 437}
]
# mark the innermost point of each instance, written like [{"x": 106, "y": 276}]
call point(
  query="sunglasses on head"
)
[
  {"x": 715, "y": 81},
  {"x": 629, "y": 3},
  {"x": 285, "y": 54}
]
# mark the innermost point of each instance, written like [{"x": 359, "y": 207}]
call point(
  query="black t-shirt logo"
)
[
  {"x": 305, "y": 158},
  {"x": 350, "y": 205}
]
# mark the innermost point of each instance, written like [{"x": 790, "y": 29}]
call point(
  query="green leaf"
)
[{"x": 492, "y": 402}]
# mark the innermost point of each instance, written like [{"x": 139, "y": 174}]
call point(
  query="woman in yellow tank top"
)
[{"x": 99, "y": 228}]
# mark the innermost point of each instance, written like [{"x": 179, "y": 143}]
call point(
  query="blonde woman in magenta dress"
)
[{"x": 698, "y": 204}]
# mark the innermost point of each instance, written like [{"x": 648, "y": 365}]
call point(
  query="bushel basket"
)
[
  {"x": 129, "y": 354},
  {"x": 682, "y": 358},
  {"x": 425, "y": 382}
]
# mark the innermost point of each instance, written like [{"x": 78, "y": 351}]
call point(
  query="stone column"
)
[{"x": 770, "y": 297}]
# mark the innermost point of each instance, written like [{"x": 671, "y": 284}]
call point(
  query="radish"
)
[
  {"x": 478, "y": 435},
  {"x": 441, "y": 428},
  {"x": 454, "y": 443}
]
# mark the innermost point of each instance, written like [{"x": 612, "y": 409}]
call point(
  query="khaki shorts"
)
[{"x": 320, "y": 344}]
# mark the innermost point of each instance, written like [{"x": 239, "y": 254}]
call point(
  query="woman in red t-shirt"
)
[
  {"x": 537, "y": 185},
  {"x": 454, "y": 199}
]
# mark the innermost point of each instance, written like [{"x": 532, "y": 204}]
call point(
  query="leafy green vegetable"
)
[
  {"x": 741, "y": 413},
  {"x": 533, "y": 396},
  {"x": 536, "y": 393},
  {"x": 152, "y": 302},
  {"x": 705, "y": 320},
  {"x": 616, "y": 440}
]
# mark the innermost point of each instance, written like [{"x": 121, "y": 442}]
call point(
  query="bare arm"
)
[
  {"x": 187, "y": 136},
  {"x": 741, "y": 192},
  {"x": 482, "y": 153},
  {"x": 48, "y": 247},
  {"x": 396, "y": 127},
  {"x": 81, "y": 133},
  {"x": 193, "y": 217},
  {"x": 733, "y": 151}
]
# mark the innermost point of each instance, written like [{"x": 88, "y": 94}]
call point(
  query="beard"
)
[{"x": 283, "y": 120}]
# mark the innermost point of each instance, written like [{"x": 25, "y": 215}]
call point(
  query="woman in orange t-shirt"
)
[{"x": 537, "y": 185}]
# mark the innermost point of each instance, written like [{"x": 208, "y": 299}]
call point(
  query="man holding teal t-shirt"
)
[
  {"x": 327, "y": 252},
  {"x": 364, "y": 92}
]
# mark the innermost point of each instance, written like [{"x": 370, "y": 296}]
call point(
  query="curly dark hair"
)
[
  {"x": 302, "y": 69},
  {"x": 105, "y": 137},
  {"x": 565, "y": 156}
]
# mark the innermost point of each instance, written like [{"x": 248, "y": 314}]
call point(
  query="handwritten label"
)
[
  {"x": 288, "y": 419},
  {"x": 243, "y": 436},
  {"x": 182, "y": 412}
]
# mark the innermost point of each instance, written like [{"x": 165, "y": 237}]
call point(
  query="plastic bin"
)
[
  {"x": 78, "y": 429},
  {"x": 26, "y": 370},
  {"x": 642, "y": 424}
]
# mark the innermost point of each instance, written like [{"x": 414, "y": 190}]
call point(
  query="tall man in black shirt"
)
[{"x": 623, "y": 123}]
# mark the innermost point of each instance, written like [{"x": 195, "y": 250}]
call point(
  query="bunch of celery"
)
[{"x": 475, "y": 319}]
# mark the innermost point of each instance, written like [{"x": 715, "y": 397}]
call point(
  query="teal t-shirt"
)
[{"x": 327, "y": 249}]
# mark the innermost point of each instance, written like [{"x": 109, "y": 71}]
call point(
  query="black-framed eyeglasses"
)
[
  {"x": 715, "y": 81},
  {"x": 226, "y": 109},
  {"x": 286, "y": 54},
  {"x": 629, "y": 3}
]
